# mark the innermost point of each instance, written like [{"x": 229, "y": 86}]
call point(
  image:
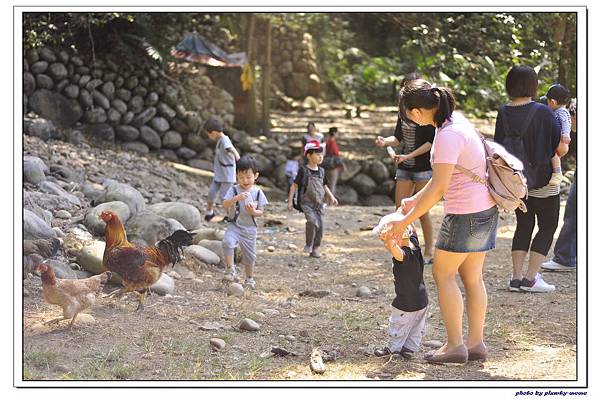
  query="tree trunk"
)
[
  {"x": 566, "y": 54},
  {"x": 251, "y": 122},
  {"x": 266, "y": 88}
]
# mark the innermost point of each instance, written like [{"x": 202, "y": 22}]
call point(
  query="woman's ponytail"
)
[
  {"x": 419, "y": 93},
  {"x": 445, "y": 107}
]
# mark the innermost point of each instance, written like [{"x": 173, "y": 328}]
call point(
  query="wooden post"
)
[
  {"x": 266, "y": 88},
  {"x": 251, "y": 122}
]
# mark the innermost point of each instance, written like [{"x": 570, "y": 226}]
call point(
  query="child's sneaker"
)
[
  {"x": 385, "y": 351},
  {"x": 537, "y": 285},
  {"x": 208, "y": 217},
  {"x": 231, "y": 275},
  {"x": 307, "y": 249},
  {"x": 315, "y": 253},
  {"x": 556, "y": 178},
  {"x": 250, "y": 283},
  {"x": 514, "y": 285}
]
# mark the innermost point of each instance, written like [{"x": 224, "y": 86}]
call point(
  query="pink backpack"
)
[{"x": 505, "y": 180}]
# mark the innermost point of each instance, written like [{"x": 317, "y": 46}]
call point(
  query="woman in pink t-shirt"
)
[{"x": 468, "y": 230}]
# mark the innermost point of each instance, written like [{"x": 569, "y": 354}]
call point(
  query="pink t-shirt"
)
[{"x": 457, "y": 142}]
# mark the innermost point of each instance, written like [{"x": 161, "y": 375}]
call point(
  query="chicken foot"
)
[
  {"x": 119, "y": 292},
  {"x": 141, "y": 296},
  {"x": 55, "y": 321},
  {"x": 72, "y": 321}
]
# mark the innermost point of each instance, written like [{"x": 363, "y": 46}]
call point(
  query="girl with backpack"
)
[
  {"x": 311, "y": 188},
  {"x": 468, "y": 230},
  {"x": 531, "y": 132}
]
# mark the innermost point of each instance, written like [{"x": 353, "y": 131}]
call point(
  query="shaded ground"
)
[{"x": 530, "y": 337}]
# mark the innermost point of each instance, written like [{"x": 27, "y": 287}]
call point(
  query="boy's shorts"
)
[
  {"x": 245, "y": 237},
  {"x": 406, "y": 329},
  {"x": 217, "y": 190}
]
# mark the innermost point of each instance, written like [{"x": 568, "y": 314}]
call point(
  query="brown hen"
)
[{"x": 139, "y": 267}]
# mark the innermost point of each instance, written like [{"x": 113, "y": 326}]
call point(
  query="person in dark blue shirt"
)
[{"x": 531, "y": 132}]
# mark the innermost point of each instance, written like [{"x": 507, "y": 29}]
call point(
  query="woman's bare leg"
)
[
  {"x": 471, "y": 274},
  {"x": 445, "y": 268},
  {"x": 404, "y": 189}
]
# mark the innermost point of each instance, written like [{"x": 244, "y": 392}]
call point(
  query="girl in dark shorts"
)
[{"x": 414, "y": 167}]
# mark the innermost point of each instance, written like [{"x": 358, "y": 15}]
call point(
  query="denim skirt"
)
[{"x": 470, "y": 232}]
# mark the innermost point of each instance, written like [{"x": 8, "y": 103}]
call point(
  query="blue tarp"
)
[{"x": 195, "y": 48}]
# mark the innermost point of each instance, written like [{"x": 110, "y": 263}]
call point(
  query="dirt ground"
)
[{"x": 529, "y": 336}]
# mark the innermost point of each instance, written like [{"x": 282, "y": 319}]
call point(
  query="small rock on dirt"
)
[
  {"x": 270, "y": 312},
  {"x": 249, "y": 325},
  {"x": 363, "y": 292},
  {"x": 271, "y": 248},
  {"x": 235, "y": 289},
  {"x": 184, "y": 272},
  {"x": 217, "y": 343},
  {"x": 62, "y": 214},
  {"x": 316, "y": 361},
  {"x": 258, "y": 315},
  {"x": 433, "y": 344},
  {"x": 290, "y": 338},
  {"x": 281, "y": 351},
  {"x": 293, "y": 247},
  {"x": 210, "y": 326}
]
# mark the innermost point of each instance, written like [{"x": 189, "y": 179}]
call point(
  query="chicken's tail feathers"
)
[
  {"x": 181, "y": 238},
  {"x": 172, "y": 245}
]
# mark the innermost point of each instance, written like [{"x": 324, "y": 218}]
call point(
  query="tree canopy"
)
[{"x": 362, "y": 56}]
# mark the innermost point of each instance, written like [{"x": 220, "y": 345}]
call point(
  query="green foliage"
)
[
  {"x": 469, "y": 52},
  {"x": 362, "y": 56}
]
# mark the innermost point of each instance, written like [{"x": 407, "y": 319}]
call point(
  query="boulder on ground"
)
[
  {"x": 116, "y": 191},
  {"x": 35, "y": 227},
  {"x": 188, "y": 215},
  {"x": 95, "y": 225},
  {"x": 147, "y": 228}
]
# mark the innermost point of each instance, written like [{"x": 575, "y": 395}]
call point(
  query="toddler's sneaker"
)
[
  {"x": 514, "y": 285},
  {"x": 307, "y": 249},
  {"x": 315, "y": 253},
  {"x": 556, "y": 178},
  {"x": 250, "y": 283},
  {"x": 231, "y": 274},
  {"x": 537, "y": 285},
  {"x": 208, "y": 217},
  {"x": 552, "y": 265}
]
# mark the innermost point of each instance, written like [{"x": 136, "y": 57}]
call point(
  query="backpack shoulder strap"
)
[
  {"x": 471, "y": 175},
  {"x": 237, "y": 205},
  {"x": 305, "y": 175}
]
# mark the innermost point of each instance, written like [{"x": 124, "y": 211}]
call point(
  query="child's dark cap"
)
[
  {"x": 559, "y": 93},
  {"x": 213, "y": 124}
]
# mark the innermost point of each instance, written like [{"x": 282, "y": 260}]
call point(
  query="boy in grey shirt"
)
[
  {"x": 223, "y": 164},
  {"x": 243, "y": 203}
]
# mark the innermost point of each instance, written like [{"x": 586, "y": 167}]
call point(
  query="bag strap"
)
[
  {"x": 237, "y": 206},
  {"x": 471, "y": 175}
]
